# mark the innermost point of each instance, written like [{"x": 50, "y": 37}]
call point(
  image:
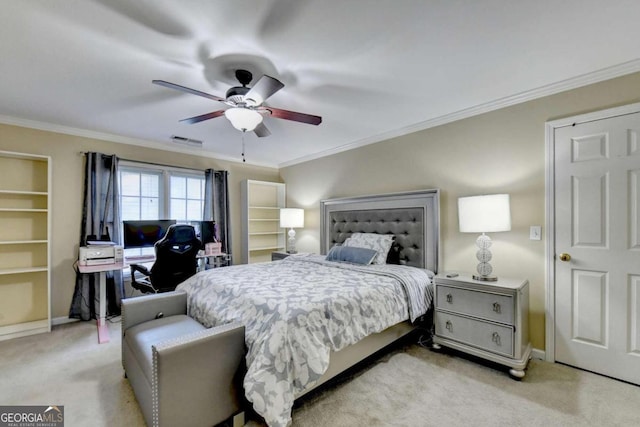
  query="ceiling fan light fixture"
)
[{"x": 243, "y": 119}]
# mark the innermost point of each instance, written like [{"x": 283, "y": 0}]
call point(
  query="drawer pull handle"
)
[
  {"x": 496, "y": 307},
  {"x": 449, "y": 326},
  {"x": 495, "y": 337},
  {"x": 449, "y": 298}
]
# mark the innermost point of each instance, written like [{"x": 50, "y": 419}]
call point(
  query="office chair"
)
[{"x": 175, "y": 261}]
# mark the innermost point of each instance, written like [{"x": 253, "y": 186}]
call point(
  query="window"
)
[
  {"x": 159, "y": 192},
  {"x": 187, "y": 198},
  {"x": 140, "y": 194}
]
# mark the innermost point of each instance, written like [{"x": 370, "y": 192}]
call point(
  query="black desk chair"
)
[{"x": 175, "y": 261}]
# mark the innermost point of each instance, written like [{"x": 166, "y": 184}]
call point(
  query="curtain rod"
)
[{"x": 82, "y": 153}]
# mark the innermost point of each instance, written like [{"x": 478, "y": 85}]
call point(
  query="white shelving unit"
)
[
  {"x": 261, "y": 232},
  {"x": 25, "y": 234}
]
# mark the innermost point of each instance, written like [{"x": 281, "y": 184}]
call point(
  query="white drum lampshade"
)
[
  {"x": 292, "y": 218},
  {"x": 484, "y": 214}
]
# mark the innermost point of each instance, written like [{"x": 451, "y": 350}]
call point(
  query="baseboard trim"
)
[
  {"x": 56, "y": 321},
  {"x": 536, "y": 353}
]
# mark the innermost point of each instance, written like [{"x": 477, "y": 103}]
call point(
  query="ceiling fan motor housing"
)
[{"x": 236, "y": 94}]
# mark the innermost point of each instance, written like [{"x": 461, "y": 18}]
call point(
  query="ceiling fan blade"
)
[
  {"x": 186, "y": 89},
  {"x": 261, "y": 130},
  {"x": 292, "y": 115},
  {"x": 263, "y": 89},
  {"x": 198, "y": 119}
]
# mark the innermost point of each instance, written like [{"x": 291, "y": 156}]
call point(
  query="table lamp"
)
[
  {"x": 292, "y": 218},
  {"x": 484, "y": 214}
]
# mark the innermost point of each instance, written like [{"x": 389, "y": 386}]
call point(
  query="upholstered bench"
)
[{"x": 181, "y": 372}]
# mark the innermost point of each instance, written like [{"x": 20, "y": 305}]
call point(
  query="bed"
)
[{"x": 307, "y": 319}]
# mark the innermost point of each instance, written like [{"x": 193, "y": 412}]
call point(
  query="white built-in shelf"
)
[
  {"x": 266, "y": 233},
  {"x": 22, "y": 242},
  {"x": 4, "y": 271},
  {"x": 24, "y": 193},
  {"x": 22, "y": 210},
  {"x": 266, "y": 248},
  {"x": 25, "y": 245},
  {"x": 261, "y": 232},
  {"x": 23, "y": 329}
]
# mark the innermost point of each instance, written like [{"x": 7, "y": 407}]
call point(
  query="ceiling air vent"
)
[{"x": 186, "y": 141}]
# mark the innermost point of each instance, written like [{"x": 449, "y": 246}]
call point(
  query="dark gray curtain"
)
[
  {"x": 216, "y": 205},
  {"x": 100, "y": 220}
]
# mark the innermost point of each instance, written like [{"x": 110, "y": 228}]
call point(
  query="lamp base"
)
[
  {"x": 485, "y": 278},
  {"x": 292, "y": 241}
]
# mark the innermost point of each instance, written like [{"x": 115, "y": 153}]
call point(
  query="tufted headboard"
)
[{"x": 412, "y": 217}]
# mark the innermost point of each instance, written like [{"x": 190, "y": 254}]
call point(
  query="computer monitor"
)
[
  {"x": 207, "y": 231},
  {"x": 144, "y": 233}
]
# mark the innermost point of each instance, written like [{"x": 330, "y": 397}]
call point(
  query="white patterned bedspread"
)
[{"x": 296, "y": 311}]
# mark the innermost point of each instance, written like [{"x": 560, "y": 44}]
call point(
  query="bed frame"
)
[
  {"x": 414, "y": 218},
  {"x": 179, "y": 386}
]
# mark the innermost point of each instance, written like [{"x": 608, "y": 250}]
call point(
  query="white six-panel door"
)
[{"x": 597, "y": 246}]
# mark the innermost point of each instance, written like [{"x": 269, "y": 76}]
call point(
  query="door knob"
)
[{"x": 565, "y": 257}]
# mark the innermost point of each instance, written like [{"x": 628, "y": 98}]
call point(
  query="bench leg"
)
[{"x": 238, "y": 419}]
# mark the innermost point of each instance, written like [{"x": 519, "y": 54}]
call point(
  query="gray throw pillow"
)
[{"x": 351, "y": 254}]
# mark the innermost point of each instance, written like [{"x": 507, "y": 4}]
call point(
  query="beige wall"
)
[
  {"x": 501, "y": 151},
  {"x": 67, "y": 167}
]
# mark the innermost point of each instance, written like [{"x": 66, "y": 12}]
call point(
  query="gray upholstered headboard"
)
[{"x": 412, "y": 217}]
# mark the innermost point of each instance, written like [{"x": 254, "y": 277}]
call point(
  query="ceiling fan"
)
[{"x": 247, "y": 109}]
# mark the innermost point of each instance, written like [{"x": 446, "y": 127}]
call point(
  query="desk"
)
[
  {"x": 217, "y": 260},
  {"x": 103, "y": 331}
]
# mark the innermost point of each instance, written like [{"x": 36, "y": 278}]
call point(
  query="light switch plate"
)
[{"x": 535, "y": 232}]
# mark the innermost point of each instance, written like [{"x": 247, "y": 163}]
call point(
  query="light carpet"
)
[{"x": 408, "y": 386}]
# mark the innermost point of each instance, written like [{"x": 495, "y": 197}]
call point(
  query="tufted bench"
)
[{"x": 181, "y": 372}]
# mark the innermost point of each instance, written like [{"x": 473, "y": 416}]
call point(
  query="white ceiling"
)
[{"x": 371, "y": 69}]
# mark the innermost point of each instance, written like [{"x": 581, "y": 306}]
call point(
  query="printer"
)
[{"x": 100, "y": 254}]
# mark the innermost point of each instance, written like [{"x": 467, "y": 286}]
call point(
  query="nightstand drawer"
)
[
  {"x": 486, "y": 305},
  {"x": 484, "y": 335}
]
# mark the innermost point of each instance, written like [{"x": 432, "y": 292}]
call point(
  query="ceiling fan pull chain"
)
[{"x": 243, "y": 160}]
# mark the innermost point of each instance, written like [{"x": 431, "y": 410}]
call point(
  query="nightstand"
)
[
  {"x": 276, "y": 256},
  {"x": 486, "y": 319}
]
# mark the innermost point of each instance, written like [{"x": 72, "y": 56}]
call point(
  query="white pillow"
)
[{"x": 381, "y": 243}]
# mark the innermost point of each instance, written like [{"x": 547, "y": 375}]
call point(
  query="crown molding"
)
[
  {"x": 551, "y": 89},
  {"x": 103, "y": 136},
  {"x": 540, "y": 92}
]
